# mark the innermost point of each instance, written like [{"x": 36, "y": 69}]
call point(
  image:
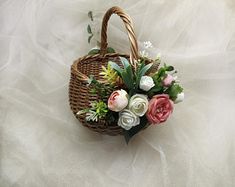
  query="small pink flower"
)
[
  {"x": 118, "y": 100},
  {"x": 168, "y": 80},
  {"x": 160, "y": 108}
]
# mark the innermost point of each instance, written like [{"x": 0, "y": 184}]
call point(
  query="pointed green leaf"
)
[
  {"x": 125, "y": 62},
  {"x": 142, "y": 69},
  {"x": 129, "y": 73},
  {"x": 116, "y": 67},
  {"x": 141, "y": 66},
  {"x": 126, "y": 78},
  {"x": 145, "y": 69}
]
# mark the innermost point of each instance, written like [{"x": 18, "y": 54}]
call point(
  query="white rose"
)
[
  {"x": 118, "y": 100},
  {"x": 138, "y": 104},
  {"x": 146, "y": 83},
  {"x": 180, "y": 98},
  {"x": 128, "y": 119}
]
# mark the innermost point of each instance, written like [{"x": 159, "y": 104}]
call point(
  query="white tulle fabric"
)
[{"x": 41, "y": 142}]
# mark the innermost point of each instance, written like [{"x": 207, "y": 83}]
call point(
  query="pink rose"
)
[
  {"x": 160, "y": 108},
  {"x": 118, "y": 100},
  {"x": 168, "y": 80}
]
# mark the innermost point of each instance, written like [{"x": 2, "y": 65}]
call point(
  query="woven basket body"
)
[{"x": 79, "y": 95}]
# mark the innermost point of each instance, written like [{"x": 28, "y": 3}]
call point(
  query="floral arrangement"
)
[{"x": 134, "y": 96}]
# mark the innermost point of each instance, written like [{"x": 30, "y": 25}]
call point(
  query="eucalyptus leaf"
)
[
  {"x": 110, "y": 50},
  {"x": 89, "y": 38},
  {"x": 89, "y": 29},
  {"x": 93, "y": 51},
  {"x": 90, "y": 15}
]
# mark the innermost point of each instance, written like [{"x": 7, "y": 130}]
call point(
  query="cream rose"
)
[
  {"x": 128, "y": 119},
  {"x": 146, "y": 83},
  {"x": 138, "y": 104}
]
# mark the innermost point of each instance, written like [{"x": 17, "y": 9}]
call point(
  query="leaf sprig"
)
[
  {"x": 98, "y": 110},
  {"x": 103, "y": 90},
  {"x": 173, "y": 90}
]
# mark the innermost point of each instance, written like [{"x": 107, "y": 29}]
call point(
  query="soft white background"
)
[{"x": 41, "y": 142}]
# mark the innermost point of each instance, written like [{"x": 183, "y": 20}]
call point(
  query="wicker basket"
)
[{"x": 79, "y": 95}]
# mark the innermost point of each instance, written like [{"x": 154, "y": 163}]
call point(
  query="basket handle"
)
[{"x": 129, "y": 27}]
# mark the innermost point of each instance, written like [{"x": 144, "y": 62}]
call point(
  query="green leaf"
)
[
  {"x": 174, "y": 90},
  {"x": 127, "y": 80},
  {"x": 169, "y": 68},
  {"x": 89, "y": 29},
  {"x": 161, "y": 72},
  {"x": 129, "y": 73},
  {"x": 94, "y": 51},
  {"x": 145, "y": 69},
  {"x": 125, "y": 62},
  {"x": 138, "y": 77},
  {"x": 89, "y": 38},
  {"x": 116, "y": 67},
  {"x": 159, "y": 75},
  {"x": 110, "y": 50},
  {"x": 155, "y": 89},
  {"x": 90, "y": 15},
  {"x": 128, "y": 134},
  {"x": 141, "y": 66}
]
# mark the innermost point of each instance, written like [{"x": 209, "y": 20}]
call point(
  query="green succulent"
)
[{"x": 109, "y": 74}]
